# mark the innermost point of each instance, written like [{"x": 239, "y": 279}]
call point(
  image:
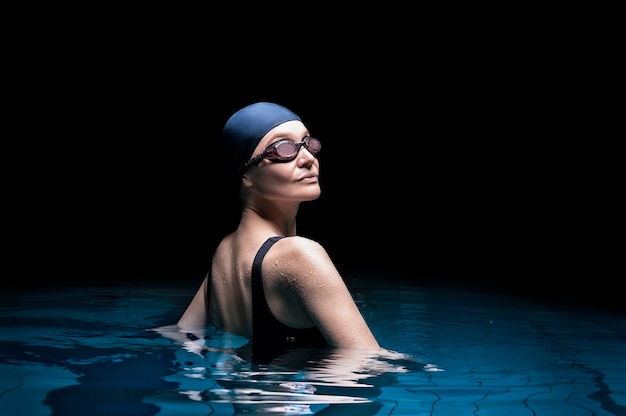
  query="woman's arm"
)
[{"x": 196, "y": 315}]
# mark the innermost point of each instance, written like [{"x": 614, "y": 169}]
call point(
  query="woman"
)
[{"x": 265, "y": 282}]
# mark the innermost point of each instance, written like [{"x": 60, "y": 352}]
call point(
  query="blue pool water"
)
[{"x": 105, "y": 350}]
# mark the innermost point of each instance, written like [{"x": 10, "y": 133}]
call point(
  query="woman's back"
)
[{"x": 231, "y": 288}]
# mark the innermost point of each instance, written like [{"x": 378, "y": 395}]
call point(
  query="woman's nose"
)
[{"x": 305, "y": 157}]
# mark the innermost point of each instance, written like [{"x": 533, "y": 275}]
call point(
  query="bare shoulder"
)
[
  {"x": 301, "y": 261},
  {"x": 300, "y": 245},
  {"x": 300, "y": 250}
]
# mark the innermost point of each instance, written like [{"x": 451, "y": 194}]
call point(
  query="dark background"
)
[{"x": 461, "y": 162}]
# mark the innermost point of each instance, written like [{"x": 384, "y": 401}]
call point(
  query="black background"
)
[{"x": 460, "y": 162}]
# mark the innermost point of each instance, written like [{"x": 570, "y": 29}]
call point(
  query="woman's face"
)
[{"x": 296, "y": 180}]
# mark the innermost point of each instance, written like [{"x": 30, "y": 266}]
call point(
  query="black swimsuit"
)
[{"x": 269, "y": 335}]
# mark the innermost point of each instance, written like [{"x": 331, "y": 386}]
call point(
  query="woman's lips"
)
[{"x": 309, "y": 177}]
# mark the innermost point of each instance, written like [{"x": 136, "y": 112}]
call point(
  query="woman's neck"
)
[{"x": 280, "y": 220}]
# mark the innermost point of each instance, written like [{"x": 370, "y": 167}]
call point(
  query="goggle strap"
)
[{"x": 252, "y": 161}]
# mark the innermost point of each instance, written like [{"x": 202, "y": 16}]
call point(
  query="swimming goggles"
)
[{"x": 284, "y": 151}]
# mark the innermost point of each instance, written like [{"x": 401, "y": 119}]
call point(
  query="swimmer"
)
[{"x": 279, "y": 289}]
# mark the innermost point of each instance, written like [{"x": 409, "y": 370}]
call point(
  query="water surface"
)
[{"x": 94, "y": 350}]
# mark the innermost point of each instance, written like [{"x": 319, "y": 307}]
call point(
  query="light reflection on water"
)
[
  {"x": 295, "y": 381},
  {"x": 94, "y": 350}
]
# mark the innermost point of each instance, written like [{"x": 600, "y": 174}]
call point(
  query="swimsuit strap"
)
[{"x": 258, "y": 259}]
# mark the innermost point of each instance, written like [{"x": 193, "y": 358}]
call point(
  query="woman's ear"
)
[{"x": 246, "y": 181}]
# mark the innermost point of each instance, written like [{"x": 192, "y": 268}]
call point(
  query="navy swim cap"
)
[{"x": 245, "y": 129}]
